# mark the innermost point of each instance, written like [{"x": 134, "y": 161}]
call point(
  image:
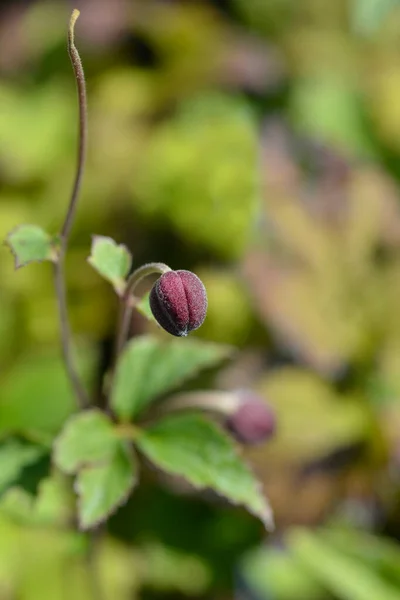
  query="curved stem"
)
[
  {"x": 128, "y": 301},
  {"x": 59, "y": 266},
  {"x": 81, "y": 88}
]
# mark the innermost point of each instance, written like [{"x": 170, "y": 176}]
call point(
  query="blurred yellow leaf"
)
[
  {"x": 200, "y": 174},
  {"x": 312, "y": 420},
  {"x": 229, "y": 316}
]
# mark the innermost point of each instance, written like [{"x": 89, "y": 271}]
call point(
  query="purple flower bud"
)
[
  {"x": 253, "y": 421},
  {"x": 178, "y": 301}
]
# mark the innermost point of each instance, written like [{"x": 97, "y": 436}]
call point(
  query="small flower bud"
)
[
  {"x": 253, "y": 422},
  {"x": 178, "y": 301}
]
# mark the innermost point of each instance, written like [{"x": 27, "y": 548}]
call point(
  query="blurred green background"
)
[{"x": 256, "y": 142}]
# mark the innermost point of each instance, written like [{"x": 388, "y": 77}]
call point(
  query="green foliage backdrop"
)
[{"x": 256, "y": 143}]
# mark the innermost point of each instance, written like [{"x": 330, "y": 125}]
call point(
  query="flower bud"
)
[
  {"x": 178, "y": 301},
  {"x": 253, "y": 421}
]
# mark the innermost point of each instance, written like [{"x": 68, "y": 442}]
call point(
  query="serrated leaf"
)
[
  {"x": 111, "y": 261},
  {"x": 30, "y": 243},
  {"x": 194, "y": 448},
  {"x": 87, "y": 438},
  {"x": 150, "y": 367},
  {"x": 15, "y": 455},
  {"x": 103, "y": 488}
]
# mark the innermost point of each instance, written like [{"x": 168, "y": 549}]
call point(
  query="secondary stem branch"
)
[
  {"x": 59, "y": 267},
  {"x": 128, "y": 301}
]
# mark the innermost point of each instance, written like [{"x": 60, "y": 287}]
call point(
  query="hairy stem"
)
[
  {"x": 65, "y": 330},
  {"x": 220, "y": 403},
  {"x": 59, "y": 266},
  {"x": 127, "y": 302},
  {"x": 81, "y": 88}
]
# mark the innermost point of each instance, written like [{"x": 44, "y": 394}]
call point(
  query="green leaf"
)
[
  {"x": 111, "y": 261},
  {"x": 50, "y": 504},
  {"x": 192, "y": 447},
  {"x": 150, "y": 367},
  {"x": 15, "y": 455},
  {"x": 87, "y": 438},
  {"x": 346, "y": 577},
  {"x": 103, "y": 488},
  {"x": 376, "y": 552},
  {"x": 30, "y": 243},
  {"x": 270, "y": 573}
]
